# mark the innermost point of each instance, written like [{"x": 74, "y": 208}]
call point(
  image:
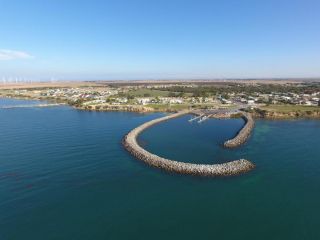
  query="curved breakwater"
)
[
  {"x": 243, "y": 134},
  {"x": 225, "y": 169}
]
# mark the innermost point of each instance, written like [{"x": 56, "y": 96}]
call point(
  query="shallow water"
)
[{"x": 65, "y": 175}]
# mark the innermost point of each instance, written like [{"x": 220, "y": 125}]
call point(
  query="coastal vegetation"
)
[
  {"x": 285, "y": 111},
  {"x": 145, "y": 92},
  {"x": 211, "y": 89},
  {"x": 263, "y": 99},
  {"x": 289, "y": 108}
]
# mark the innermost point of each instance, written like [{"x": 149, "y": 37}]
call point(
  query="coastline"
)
[
  {"x": 141, "y": 109},
  {"x": 279, "y": 115},
  {"x": 257, "y": 113}
]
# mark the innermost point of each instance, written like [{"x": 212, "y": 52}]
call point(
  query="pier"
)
[
  {"x": 205, "y": 117},
  {"x": 242, "y": 136},
  {"x": 224, "y": 169},
  {"x": 195, "y": 118}
]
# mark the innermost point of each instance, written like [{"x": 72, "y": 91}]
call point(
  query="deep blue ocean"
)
[{"x": 64, "y": 175}]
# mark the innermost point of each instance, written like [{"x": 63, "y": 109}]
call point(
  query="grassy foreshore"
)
[{"x": 286, "y": 112}]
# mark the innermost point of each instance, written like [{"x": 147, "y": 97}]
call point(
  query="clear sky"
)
[{"x": 140, "y": 39}]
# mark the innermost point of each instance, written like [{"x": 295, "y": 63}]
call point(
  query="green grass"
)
[
  {"x": 164, "y": 107},
  {"x": 290, "y": 108},
  {"x": 153, "y": 93},
  {"x": 178, "y": 107},
  {"x": 149, "y": 92}
]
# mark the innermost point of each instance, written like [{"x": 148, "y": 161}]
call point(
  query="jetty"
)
[
  {"x": 205, "y": 117},
  {"x": 224, "y": 169},
  {"x": 195, "y": 118}
]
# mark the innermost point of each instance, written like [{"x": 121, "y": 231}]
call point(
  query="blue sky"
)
[{"x": 143, "y": 39}]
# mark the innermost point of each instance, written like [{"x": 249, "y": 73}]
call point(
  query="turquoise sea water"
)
[{"x": 65, "y": 175}]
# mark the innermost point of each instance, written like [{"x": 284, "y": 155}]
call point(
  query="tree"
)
[
  {"x": 180, "y": 94},
  {"x": 171, "y": 94}
]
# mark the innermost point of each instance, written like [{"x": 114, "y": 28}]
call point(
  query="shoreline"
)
[{"x": 258, "y": 113}]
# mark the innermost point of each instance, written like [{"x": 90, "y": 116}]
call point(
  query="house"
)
[
  {"x": 225, "y": 101},
  {"x": 251, "y": 102},
  {"x": 122, "y": 100},
  {"x": 176, "y": 101},
  {"x": 143, "y": 101}
]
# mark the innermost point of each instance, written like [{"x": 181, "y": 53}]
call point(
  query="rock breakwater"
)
[
  {"x": 243, "y": 134},
  {"x": 225, "y": 169}
]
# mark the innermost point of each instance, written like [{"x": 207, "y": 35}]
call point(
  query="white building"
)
[
  {"x": 143, "y": 101},
  {"x": 175, "y": 101}
]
